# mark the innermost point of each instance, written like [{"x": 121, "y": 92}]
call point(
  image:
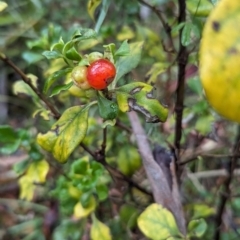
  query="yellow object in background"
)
[{"x": 220, "y": 59}]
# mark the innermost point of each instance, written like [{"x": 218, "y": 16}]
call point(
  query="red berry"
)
[{"x": 100, "y": 74}]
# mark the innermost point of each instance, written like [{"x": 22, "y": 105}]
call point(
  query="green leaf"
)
[
  {"x": 66, "y": 134},
  {"x": 31, "y": 57},
  {"x": 99, "y": 230},
  {"x": 158, "y": 223},
  {"x": 3, "y": 5},
  {"x": 126, "y": 63},
  {"x": 199, "y": 8},
  {"x": 73, "y": 54},
  {"x": 128, "y": 160},
  {"x": 57, "y": 89},
  {"x": 54, "y": 77},
  {"x": 80, "y": 166},
  {"x": 52, "y": 54},
  {"x": 85, "y": 199},
  {"x": 197, "y": 227},
  {"x": 186, "y": 34},
  {"x": 102, "y": 192},
  {"x": 128, "y": 215},
  {"x": 58, "y": 46},
  {"x": 84, "y": 34},
  {"x": 107, "y": 109},
  {"x": 9, "y": 140},
  {"x": 92, "y": 7},
  {"x": 138, "y": 96},
  {"x": 123, "y": 50}
]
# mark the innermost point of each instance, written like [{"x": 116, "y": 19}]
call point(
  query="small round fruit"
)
[
  {"x": 100, "y": 74},
  {"x": 79, "y": 76},
  {"x": 94, "y": 56}
]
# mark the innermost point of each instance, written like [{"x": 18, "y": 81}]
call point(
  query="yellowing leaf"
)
[
  {"x": 81, "y": 212},
  {"x": 138, "y": 96},
  {"x": 158, "y": 223},
  {"x": 36, "y": 173},
  {"x": 3, "y": 5},
  {"x": 220, "y": 57},
  {"x": 21, "y": 87},
  {"x": 92, "y": 6},
  {"x": 66, "y": 134},
  {"x": 99, "y": 230},
  {"x": 26, "y": 188}
]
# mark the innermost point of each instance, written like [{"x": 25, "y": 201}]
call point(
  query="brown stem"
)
[
  {"x": 182, "y": 62},
  {"x": 166, "y": 27},
  {"x": 227, "y": 191},
  {"x": 24, "y": 77}
]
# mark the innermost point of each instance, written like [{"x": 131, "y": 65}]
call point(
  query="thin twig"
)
[
  {"x": 217, "y": 156},
  {"x": 124, "y": 127},
  {"x": 24, "y": 77},
  {"x": 224, "y": 197},
  {"x": 182, "y": 62},
  {"x": 166, "y": 27}
]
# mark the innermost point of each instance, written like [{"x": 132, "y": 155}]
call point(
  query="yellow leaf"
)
[
  {"x": 26, "y": 188},
  {"x": 158, "y": 223},
  {"x": 99, "y": 231},
  {"x": 36, "y": 173},
  {"x": 81, "y": 212},
  {"x": 3, "y": 5},
  {"x": 220, "y": 57},
  {"x": 92, "y": 6}
]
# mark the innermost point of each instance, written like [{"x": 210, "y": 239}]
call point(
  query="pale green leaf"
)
[
  {"x": 156, "y": 69},
  {"x": 126, "y": 63},
  {"x": 200, "y": 8},
  {"x": 99, "y": 230},
  {"x": 158, "y": 223},
  {"x": 197, "y": 227}
]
